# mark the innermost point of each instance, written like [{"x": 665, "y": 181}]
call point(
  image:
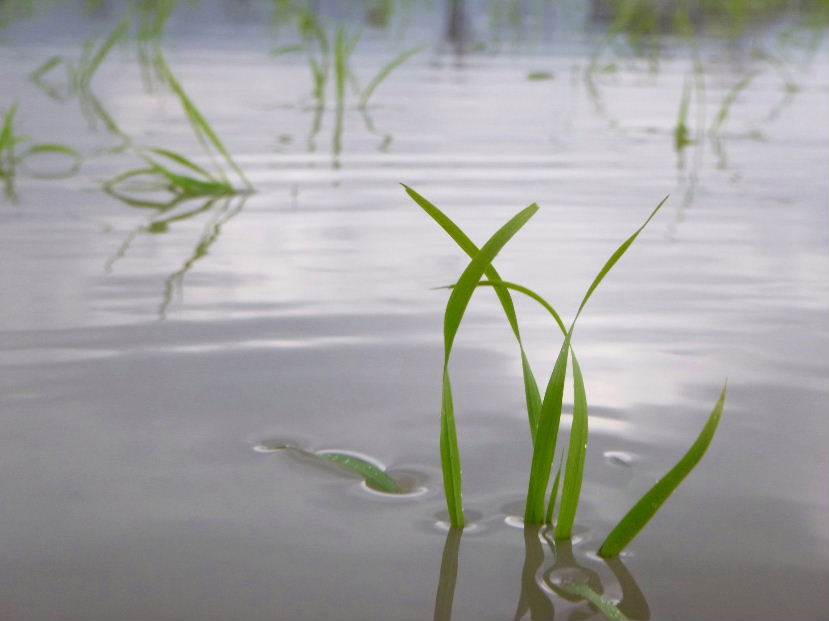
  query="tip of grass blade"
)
[{"x": 647, "y": 506}]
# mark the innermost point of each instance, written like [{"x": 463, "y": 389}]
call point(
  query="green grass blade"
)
[
  {"x": 374, "y": 476},
  {"x": 384, "y": 73},
  {"x": 197, "y": 120},
  {"x": 465, "y": 287},
  {"x": 450, "y": 457},
  {"x": 551, "y": 506},
  {"x": 601, "y": 603},
  {"x": 532, "y": 395},
  {"x": 546, "y": 436},
  {"x": 641, "y": 513},
  {"x": 93, "y": 62},
  {"x": 183, "y": 161},
  {"x": 190, "y": 186},
  {"x": 455, "y": 309},
  {"x": 576, "y": 455},
  {"x": 549, "y": 417}
]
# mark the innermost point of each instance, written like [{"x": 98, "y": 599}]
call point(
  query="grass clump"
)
[
  {"x": 173, "y": 173},
  {"x": 544, "y": 413}
]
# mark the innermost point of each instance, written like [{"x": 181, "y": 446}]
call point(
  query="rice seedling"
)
[
  {"x": 373, "y": 475},
  {"x": 15, "y": 150},
  {"x": 173, "y": 173},
  {"x": 544, "y": 413}
]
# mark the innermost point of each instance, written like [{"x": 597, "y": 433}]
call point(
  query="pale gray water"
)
[{"x": 131, "y": 490}]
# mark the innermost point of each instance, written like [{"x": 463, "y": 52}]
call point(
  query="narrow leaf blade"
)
[{"x": 641, "y": 513}]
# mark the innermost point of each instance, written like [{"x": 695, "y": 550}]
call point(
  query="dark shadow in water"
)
[{"x": 535, "y": 593}]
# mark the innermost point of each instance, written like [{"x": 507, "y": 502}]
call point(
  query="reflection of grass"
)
[
  {"x": 545, "y": 584},
  {"x": 11, "y": 157},
  {"x": 544, "y": 413},
  {"x": 221, "y": 210}
]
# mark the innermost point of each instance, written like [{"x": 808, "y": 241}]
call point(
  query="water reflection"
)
[
  {"x": 566, "y": 581},
  {"x": 220, "y": 211}
]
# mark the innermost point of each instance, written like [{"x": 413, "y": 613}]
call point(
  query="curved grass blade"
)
[
  {"x": 601, "y": 603},
  {"x": 641, "y": 513},
  {"x": 183, "y": 161},
  {"x": 574, "y": 472},
  {"x": 551, "y": 506},
  {"x": 200, "y": 125},
  {"x": 373, "y": 475},
  {"x": 549, "y": 418},
  {"x": 532, "y": 395},
  {"x": 385, "y": 71},
  {"x": 455, "y": 309}
]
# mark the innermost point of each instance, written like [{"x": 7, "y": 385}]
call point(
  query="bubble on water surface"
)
[{"x": 620, "y": 458}]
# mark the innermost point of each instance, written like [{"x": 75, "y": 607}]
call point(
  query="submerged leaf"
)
[
  {"x": 641, "y": 513},
  {"x": 601, "y": 603},
  {"x": 374, "y": 476}
]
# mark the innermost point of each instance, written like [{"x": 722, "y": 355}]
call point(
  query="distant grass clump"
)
[
  {"x": 545, "y": 413},
  {"x": 171, "y": 172},
  {"x": 16, "y": 149}
]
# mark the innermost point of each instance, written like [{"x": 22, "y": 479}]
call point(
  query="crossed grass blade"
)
[
  {"x": 455, "y": 309},
  {"x": 531, "y": 393},
  {"x": 647, "y": 506}
]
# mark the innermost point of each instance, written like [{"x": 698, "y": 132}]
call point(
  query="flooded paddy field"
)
[{"x": 160, "y": 335}]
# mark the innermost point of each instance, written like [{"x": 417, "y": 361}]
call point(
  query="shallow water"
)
[{"x": 142, "y": 364}]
